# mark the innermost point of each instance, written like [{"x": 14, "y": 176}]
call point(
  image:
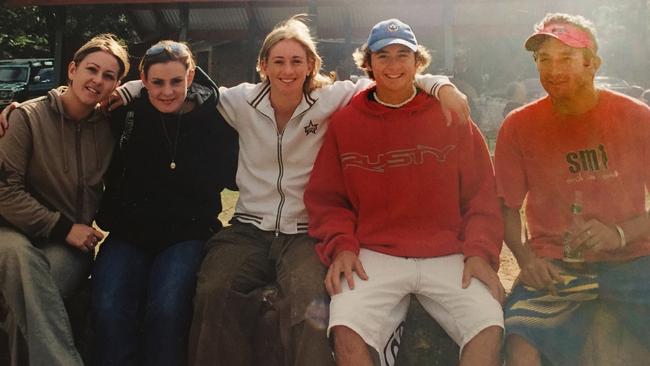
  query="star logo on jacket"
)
[
  {"x": 4, "y": 173},
  {"x": 311, "y": 128}
]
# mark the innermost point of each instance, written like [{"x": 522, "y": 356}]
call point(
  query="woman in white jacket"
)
[{"x": 281, "y": 124}]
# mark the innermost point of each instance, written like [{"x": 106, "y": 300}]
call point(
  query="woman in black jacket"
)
[{"x": 175, "y": 155}]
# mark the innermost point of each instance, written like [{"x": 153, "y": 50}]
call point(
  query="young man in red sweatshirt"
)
[{"x": 404, "y": 204}]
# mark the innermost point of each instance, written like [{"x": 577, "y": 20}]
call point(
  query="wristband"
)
[{"x": 621, "y": 234}]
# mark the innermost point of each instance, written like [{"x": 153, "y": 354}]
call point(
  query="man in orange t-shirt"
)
[{"x": 579, "y": 153}]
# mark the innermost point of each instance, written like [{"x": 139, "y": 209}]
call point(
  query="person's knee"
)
[
  {"x": 211, "y": 289},
  {"x": 17, "y": 250},
  {"x": 108, "y": 308},
  {"x": 347, "y": 341},
  {"x": 169, "y": 308},
  {"x": 489, "y": 339},
  {"x": 492, "y": 334},
  {"x": 519, "y": 351}
]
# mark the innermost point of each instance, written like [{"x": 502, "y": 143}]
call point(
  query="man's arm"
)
[
  {"x": 482, "y": 225},
  {"x": 597, "y": 236},
  {"x": 331, "y": 218},
  {"x": 512, "y": 188},
  {"x": 536, "y": 272},
  {"x": 452, "y": 100}
]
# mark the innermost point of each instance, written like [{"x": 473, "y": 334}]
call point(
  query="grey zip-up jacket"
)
[{"x": 51, "y": 167}]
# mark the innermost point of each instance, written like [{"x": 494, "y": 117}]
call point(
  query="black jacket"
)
[{"x": 151, "y": 205}]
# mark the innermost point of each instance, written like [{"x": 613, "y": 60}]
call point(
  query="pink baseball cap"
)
[{"x": 566, "y": 33}]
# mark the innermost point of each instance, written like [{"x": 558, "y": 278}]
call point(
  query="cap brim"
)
[
  {"x": 388, "y": 41},
  {"x": 533, "y": 42}
]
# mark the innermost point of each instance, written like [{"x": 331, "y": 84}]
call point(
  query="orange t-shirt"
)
[{"x": 544, "y": 157}]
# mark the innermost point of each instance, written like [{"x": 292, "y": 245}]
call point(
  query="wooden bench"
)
[{"x": 423, "y": 342}]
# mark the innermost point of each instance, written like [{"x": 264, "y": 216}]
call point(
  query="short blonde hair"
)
[
  {"x": 362, "y": 59},
  {"x": 110, "y": 44},
  {"x": 295, "y": 29}
]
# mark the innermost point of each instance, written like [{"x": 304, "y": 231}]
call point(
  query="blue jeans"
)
[{"x": 142, "y": 303}]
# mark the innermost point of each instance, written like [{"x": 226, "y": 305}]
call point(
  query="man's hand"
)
[
  {"x": 539, "y": 273},
  {"x": 480, "y": 269},
  {"x": 345, "y": 263},
  {"x": 596, "y": 236},
  {"x": 4, "y": 117},
  {"x": 453, "y": 101},
  {"x": 83, "y": 237}
]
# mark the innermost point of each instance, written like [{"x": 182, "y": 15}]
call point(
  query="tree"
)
[
  {"x": 23, "y": 32},
  {"x": 26, "y": 31}
]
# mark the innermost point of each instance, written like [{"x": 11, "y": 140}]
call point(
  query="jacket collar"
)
[{"x": 259, "y": 98}]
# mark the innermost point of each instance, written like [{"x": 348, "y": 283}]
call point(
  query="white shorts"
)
[{"x": 376, "y": 308}]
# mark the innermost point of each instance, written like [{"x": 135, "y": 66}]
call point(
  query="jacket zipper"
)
[
  {"x": 279, "y": 184},
  {"x": 80, "y": 186}
]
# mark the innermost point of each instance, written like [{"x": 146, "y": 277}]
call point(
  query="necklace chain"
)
[
  {"x": 398, "y": 105},
  {"x": 172, "y": 148}
]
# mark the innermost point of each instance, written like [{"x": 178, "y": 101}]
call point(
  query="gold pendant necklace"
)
[{"x": 172, "y": 149}]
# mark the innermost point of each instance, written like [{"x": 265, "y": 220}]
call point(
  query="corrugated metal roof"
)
[{"x": 268, "y": 17}]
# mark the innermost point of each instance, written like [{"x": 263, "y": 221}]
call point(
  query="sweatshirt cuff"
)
[
  {"x": 435, "y": 90},
  {"x": 130, "y": 90},
  {"x": 485, "y": 253},
  {"x": 432, "y": 83},
  {"x": 345, "y": 247},
  {"x": 328, "y": 252},
  {"x": 61, "y": 228}
]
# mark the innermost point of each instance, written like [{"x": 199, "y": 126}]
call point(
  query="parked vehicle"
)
[
  {"x": 22, "y": 79},
  {"x": 619, "y": 85},
  {"x": 535, "y": 90}
]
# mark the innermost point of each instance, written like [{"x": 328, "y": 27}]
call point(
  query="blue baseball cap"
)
[{"x": 391, "y": 31}]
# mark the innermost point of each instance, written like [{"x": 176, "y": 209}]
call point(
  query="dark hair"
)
[{"x": 167, "y": 51}]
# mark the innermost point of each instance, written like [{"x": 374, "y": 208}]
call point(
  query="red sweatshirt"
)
[{"x": 400, "y": 182}]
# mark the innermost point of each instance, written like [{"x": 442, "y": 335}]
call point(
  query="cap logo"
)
[{"x": 392, "y": 27}]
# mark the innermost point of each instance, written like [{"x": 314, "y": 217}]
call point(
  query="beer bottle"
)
[{"x": 574, "y": 255}]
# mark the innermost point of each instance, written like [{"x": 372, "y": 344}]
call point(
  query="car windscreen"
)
[{"x": 13, "y": 74}]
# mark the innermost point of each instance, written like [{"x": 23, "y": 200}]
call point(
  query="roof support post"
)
[
  {"x": 448, "y": 33},
  {"x": 184, "y": 9},
  {"x": 60, "y": 71},
  {"x": 313, "y": 16},
  {"x": 252, "y": 43}
]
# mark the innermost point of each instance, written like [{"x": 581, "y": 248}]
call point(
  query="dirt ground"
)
[{"x": 507, "y": 272}]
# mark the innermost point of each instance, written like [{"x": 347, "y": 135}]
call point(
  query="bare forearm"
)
[{"x": 513, "y": 235}]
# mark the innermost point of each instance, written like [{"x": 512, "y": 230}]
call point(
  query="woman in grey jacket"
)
[{"x": 52, "y": 162}]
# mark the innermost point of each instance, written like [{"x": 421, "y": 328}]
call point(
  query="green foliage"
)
[
  {"x": 25, "y": 31},
  {"x": 88, "y": 20}
]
